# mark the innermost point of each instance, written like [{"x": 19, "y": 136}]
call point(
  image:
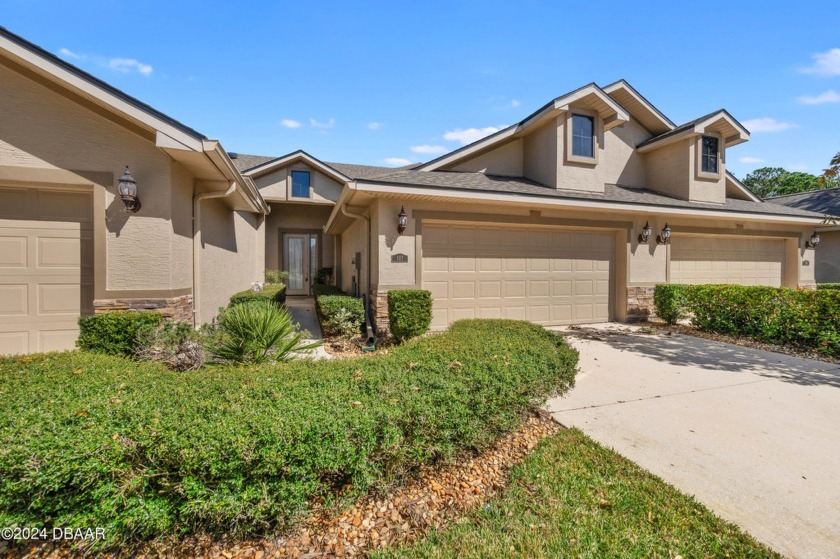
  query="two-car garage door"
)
[
  {"x": 46, "y": 268},
  {"x": 547, "y": 276}
]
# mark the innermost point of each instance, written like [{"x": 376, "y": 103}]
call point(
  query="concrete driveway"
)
[{"x": 752, "y": 434}]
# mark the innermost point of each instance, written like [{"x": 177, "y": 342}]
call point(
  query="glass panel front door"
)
[{"x": 300, "y": 259}]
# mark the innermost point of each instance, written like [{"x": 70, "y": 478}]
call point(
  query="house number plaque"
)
[{"x": 399, "y": 258}]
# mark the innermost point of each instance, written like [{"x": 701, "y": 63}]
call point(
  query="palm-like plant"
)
[{"x": 256, "y": 332}]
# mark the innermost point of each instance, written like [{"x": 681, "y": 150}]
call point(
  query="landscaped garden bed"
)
[
  {"x": 800, "y": 322},
  {"x": 148, "y": 453}
]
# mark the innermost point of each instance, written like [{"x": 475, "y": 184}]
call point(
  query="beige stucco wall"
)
[
  {"x": 41, "y": 129},
  {"x": 539, "y": 158},
  {"x": 353, "y": 240},
  {"x": 276, "y": 186},
  {"x": 505, "y": 160},
  {"x": 231, "y": 257},
  {"x": 300, "y": 218},
  {"x": 668, "y": 169},
  {"x": 701, "y": 188},
  {"x": 827, "y": 255}
]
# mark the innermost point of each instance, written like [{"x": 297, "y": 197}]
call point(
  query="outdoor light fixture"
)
[
  {"x": 402, "y": 222},
  {"x": 647, "y": 230},
  {"x": 665, "y": 237},
  {"x": 814, "y": 241},
  {"x": 127, "y": 188}
]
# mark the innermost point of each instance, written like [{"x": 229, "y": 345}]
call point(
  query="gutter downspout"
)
[
  {"x": 197, "y": 199},
  {"x": 368, "y": 328}
]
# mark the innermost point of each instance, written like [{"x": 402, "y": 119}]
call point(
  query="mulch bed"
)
[
  {"x": 437, "y": 496},
  {"x": 741, "y": 341}
]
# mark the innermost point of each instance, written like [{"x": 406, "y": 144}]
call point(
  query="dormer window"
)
[
  {"x": 300, "y": 184},
  {"x": 709, "y": 155},
  {"x": 583, "y": 136}
]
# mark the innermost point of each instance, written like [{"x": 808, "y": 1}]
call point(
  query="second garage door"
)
[
  {"x": 728, "y": 260},
  {"x": 546, "y": 276}
]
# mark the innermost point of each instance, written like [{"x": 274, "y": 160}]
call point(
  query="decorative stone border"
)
[{"x": 177, "y": 309}]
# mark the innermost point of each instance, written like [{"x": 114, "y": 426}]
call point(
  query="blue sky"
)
[{"x": 380, "y": 82}]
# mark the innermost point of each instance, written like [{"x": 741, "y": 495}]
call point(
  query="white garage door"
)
[
  {"x": 727, "y": 260},
  {"x": 46, "y": 268},
  {"x": 547, "y": 276}
]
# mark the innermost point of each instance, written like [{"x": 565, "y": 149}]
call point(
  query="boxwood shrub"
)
[
  {"x": 670, "y": 301},
  {"x": 409, "y": 313},
  {"x": 276, "y": 293},
  {"x": 114, "y": 333},
  {"x": 828, "y": 286},
  {"x": 144, "y": 452},
  {"x": 338, "y": 312},
  {"x": 803, "y": 318}
]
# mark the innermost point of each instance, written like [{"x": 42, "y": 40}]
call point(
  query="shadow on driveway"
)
[{"x": 677, "y": 349}]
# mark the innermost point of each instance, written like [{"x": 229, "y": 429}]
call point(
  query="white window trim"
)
[
  {"x": 698, "y": 147},
  {"x": 597, "y": 134},
  {"x": 289, "y": 187}
]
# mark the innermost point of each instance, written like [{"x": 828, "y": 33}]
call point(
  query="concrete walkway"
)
[
  {"x": 302, "y": 310},
  {"x": 754, "y": 435}
]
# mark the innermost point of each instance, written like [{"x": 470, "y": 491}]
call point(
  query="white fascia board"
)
[{"x": 528, "y": 200}]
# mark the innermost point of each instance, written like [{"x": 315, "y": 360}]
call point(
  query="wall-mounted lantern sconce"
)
[
  {"x": 647, "y": 231},
  {"x": 665, "y": 237},
  {"x": 813, "y": 241},
  {"x": 402, "y": 221},
  {"x": 127, "y": 188}
]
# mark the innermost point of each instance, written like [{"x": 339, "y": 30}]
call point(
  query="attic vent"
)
[{"x": 233, "y": 155}]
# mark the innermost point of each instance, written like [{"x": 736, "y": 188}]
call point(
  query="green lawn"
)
[{"x": 575, "y": 498}]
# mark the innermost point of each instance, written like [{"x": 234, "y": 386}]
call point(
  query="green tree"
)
[
  {"x": 776, "y": 181},
  {"x": 831, "y": 176}
]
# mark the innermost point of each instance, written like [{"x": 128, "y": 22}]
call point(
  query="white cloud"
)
[
  {"x": 428, "y": 149},
  {"x": 515, "y": 103},
  {"x": 68, "y": 53},
  {"x": 126, "y": 65},
  {"x": 396, "y": 161},
  {"x": 318, "y": 124},
  {"x": 748, "y": 160},
  {"x": 375, "y": 125},
  {"x": 829, "y": 96},
  {"x": 289, "y": 123},
  {"x": 470, "y": 135},
  {"x": 767, "y": 125},
  {"x": 825, "y": 63}
]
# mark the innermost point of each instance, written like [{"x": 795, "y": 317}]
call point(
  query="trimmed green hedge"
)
[
  {"x": 409, "y": 313},
  {"x": 275, "y": 293},
  {"x": 114, "y": 333},
  {"x": 835, "y": 286},
  {"x": 803, "y": 318},
  {"x": 92, "y": 440},
  {"x": 339, "y": 313},
  {"x": 670, "y": 301}
]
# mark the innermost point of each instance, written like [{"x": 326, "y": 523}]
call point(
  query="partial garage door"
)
[
  {"x": 547, "y": 276},
  {"x": 46, "y": 268},
  {"x": 727, "y": 260}
]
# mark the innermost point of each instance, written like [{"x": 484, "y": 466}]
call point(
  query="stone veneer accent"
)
[
  {"x": 810, "y": 286},
  {"x": 177, "y": 309},
  {"x": 380, "y": 311},
  {"x": 640, "y": 303}
]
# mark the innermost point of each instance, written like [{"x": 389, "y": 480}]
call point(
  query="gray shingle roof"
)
[
  {"x": 243, "y": 161},
  {"x": 519, "y": 185},
  {"x": 821, "y": 201},
  {"x": 612, "y": 192}
]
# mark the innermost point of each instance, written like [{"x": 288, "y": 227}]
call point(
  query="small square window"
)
[
  {"x": 300, "y": 184},
  {"x": 583, "y": 136},
  {"x": 709, "y": 157}
]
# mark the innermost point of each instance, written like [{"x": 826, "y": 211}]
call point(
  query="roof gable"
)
[
  {"x": 721, "y": 121},
  {"x": 642, "y": 110},
  {"x": 591, "y": 96},
  {"x": 296, "y": 157}
]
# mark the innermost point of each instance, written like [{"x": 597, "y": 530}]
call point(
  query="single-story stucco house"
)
[
  {"x": 543, "y": 221},
  {"x": 827, "y": 202}
]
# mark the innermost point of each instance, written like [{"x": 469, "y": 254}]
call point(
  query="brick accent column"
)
[
  {"x": 176, "y": 309},
  {"x": 379, "y": 299},
  {"x": 640, "y": 303}
]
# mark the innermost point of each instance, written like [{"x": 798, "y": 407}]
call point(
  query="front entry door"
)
[{"x": 300, "y": 254}]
